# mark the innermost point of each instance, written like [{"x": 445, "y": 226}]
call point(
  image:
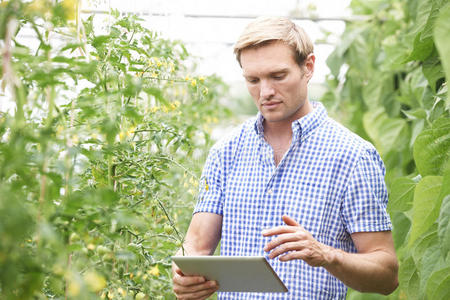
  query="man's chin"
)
[
  {"x": 276, "y": 117},
  {"x": 273, "y": 117}
]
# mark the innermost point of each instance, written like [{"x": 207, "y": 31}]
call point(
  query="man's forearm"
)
[
  {"x": 366, "y": 272},
  {"x": 189, "y": 249},
  {"x": 203, "y": 235},
  {"x": 373, "y": 269}
]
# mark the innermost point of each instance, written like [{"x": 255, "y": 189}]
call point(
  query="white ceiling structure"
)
[{"x": 210, "y": 28}]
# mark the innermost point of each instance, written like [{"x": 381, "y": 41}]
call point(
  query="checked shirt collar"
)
[{"x": 302, "y": 127}]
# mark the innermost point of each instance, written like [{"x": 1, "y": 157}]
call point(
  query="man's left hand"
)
[{"x": 294, "y": 242}]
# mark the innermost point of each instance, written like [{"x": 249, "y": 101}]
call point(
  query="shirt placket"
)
[
  {"x": 267, "y": 171},
  {"x": 270, "y": 193}
]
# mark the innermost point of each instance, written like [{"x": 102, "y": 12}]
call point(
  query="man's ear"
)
[{"x": 309, "y": 66}]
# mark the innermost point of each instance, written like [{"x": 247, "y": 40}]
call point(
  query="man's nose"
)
[{"x": 266, "y": 90}]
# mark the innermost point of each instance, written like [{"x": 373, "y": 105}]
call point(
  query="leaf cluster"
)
[
  {"x": 101, "y": 145},
  {"x": 389, "y": 83}
]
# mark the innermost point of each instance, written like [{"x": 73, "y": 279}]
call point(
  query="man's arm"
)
[
  {"x": 202, "y": 238},
  {"x": 373, "y": 269}
]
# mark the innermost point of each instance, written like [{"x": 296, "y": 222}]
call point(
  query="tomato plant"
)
[
  {"x": 389, "y": 83},
  {"x": 100, "y": 152}
]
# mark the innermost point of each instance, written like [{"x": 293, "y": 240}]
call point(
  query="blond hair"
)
[{"x": 265, "y": 30}]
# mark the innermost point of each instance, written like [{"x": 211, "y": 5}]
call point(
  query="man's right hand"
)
[
  {"x": 202, "y": 238},
  {"x": 192, "y": 287}
]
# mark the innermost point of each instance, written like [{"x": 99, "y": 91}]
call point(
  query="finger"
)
[
  {"x": 306, "y": 255},
  {"x": 196, "y": 291},
  {"x": 302, "y": 254},
  {"x": 286, "y": 247},
  {"x": 278, "y": 230},
  {"x": 187, "y": 280},
  {"x": 178, "y": 271},
  {"x": 284, "y": 238},
  {"x": 204, "y": 294},
  {"x": 290, "y": 221}
]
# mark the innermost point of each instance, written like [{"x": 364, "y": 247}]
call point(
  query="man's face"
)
[{"x": 277, "y": 84}]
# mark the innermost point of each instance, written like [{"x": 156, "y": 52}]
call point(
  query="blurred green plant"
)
[
  {"x": 389, "y": 83},
  {"x": 102, "y": 137}
]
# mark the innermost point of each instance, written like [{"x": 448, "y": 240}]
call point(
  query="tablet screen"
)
[{"x": 233, "y": 273}]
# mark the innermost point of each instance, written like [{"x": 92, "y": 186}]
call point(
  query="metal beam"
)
[{"x": 218, "y": 16}]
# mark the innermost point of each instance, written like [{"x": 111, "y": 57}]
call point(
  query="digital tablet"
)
[{"x": 233, "y": 273}]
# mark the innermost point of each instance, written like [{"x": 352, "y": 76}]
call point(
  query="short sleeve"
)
[
  {"x": 365, "y": 200},
  {"x": 210, "y": 195}
]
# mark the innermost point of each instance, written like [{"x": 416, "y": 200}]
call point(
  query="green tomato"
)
[
  {"x": 140, "y": 296},
  {"x": 108, "y": 257},
  {"x": 168, "y": 229},
  {"x": 102, "y": 250},
  {"x": 74, "y": 238}
]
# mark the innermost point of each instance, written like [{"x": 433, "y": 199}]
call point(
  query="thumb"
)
[
  {"x": 289, "y": 221},
  {"x": 178, "y": 271}
]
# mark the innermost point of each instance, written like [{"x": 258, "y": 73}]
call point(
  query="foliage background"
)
[
  {"x": 99, "y": 155},
  {"x": 389, "y": 85}
]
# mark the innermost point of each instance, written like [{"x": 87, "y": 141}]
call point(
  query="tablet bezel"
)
[{"x": 233, "y": 273}]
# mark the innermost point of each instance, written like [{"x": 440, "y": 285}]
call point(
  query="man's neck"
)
[
  {"x": 282, "y": 130},
  {"x": 278, "y": 131}
]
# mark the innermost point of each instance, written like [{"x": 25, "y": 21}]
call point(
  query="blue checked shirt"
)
[{"x": 330, "y": 180}]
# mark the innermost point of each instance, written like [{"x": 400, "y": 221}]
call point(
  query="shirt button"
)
[{"x": 269, "y": 191}]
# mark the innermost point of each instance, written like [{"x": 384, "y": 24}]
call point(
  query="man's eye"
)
[
  {"x": 250, "y": 80},
  {"x": 278, "y": 77}
]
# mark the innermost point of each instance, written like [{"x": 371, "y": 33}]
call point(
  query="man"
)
[{"x": 292, "y": 184}]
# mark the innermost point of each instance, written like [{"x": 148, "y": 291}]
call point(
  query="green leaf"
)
[
  {"x": 444, "y": 226},
  {"x": 424, "y": 23},
  {"x": 423, "y": 10},
  {"x": 100, "y": 40},
  {"x": 429, "y": 263},
  {"x": 444, "y": 216},
  {"x": 422, "y": 48},
  {"x": 396, "y": 52},
  {"x": 334, "y": 63},
  {"x": 157, "y": 93},
  {"x": 72, "y": 47},
  {"x": 402, "y": 194},
  {"x": 438, "y": 285},
  {"x": 423, "y": 244},
  {"x": 372, "y": 93},
  {"x": 386, "y": 133},
  {"x": 446, "y": 187},
  {"x": 432, "y": 148},
  {"x": 442, "y": 41},
  {"x": 335, "y": 59},
  {"x": 432, "y": 69},
  {"x": 401, "y": 224},
  {"x": 425, "y": 206},
  {"x": 435, "y": 9},
  {"x": 414, "y": 114},
  {"x": 409, "y": 278},
  {"x": 412, "y": 88},
  {"x": 416, "y": 129},
  {"x": 110, "y": 128}
]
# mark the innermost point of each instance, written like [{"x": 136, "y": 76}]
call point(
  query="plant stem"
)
[
  {"x": 43, "y": 184},
  {"x": 110, "y": 175},
  {"x": 171, "y": 224}
]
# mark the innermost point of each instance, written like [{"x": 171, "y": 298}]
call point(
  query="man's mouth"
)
[{"x": 271, "y": 104}]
